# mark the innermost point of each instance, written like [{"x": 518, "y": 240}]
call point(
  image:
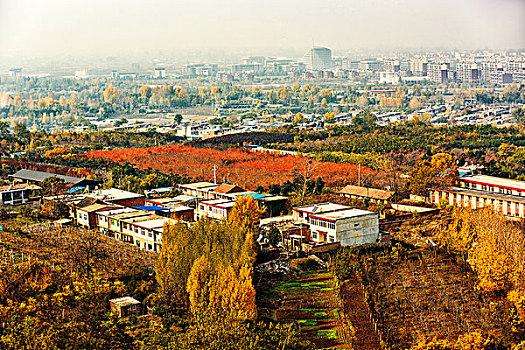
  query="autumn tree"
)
[
  {"x": 299, "y": 118},
  {"x": 110, "y": 94},
  {"x": 198, "y": 287},
  {"x": 221, "y": 244},
  {"x": 245, "y": 212},
  {"x": 441, "y": 170},
  {"x": 494, "y": 248}
]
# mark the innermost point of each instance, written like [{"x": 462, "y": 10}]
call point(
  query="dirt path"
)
[{"x": 358, "y": 314}]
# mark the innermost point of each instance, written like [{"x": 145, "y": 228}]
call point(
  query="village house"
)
[
  {"x": 138, "y": 227},
  {"x": 125, "y": 306},
  {"x": 217, "y": 209},
  {"x": 301, "y": 214},
  {"x": 198, "y": 189},
  {"x": 33, "y": 176},
  {"x": 225, "y": 189},
  {"x": 16, "y": 194},
  {"x": 120, "y": 197},
  {"x": 208, "y": 192},
  {"x": 330, "y": 223},
  {"x": 86, "y": 216},
  {"x": 349, "y": 227},
  {"x": 366, "y": 193},
  {"x": 169, "y": 202},
  {"x": 478, "y": 191}
]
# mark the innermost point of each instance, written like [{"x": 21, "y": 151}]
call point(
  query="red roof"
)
[{"x": 227, "y": 188}]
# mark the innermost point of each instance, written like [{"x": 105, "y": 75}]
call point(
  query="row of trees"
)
[
  {"x": 495, "y": 250},
  {"x": 207, "y": 270}
]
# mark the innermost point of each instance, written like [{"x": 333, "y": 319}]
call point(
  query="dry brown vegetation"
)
[
  {"x": 422, "y": 295},
  {"x": 72, "y": 248}
]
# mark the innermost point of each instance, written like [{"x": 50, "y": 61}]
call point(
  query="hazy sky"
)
[{"x": 110, "y": 27}]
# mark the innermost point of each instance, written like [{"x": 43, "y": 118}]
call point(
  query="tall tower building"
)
[{"x": 318, "y": 58}]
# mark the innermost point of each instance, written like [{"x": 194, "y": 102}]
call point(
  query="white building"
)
[
  {"x": 330, "y": 222},
  {"x": 349, "y": 227},
  {"x": 217, "y": 209},
  {"x": 16, "y": 194},
  {"x": 137, "y": 227},
  {"x": 478, "y": 191},
  {"x": 318, "y": 58},
  {"x": 301, "y": 214},
  {"x": 198, "y": 189}
]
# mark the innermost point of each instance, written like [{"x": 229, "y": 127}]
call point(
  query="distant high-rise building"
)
[
  {"x": 318, "y": 58},
  {"x": 160, "y": 73},
  {"x": 468, "y": 72},
  {"x": 419, "y": 67},
  {"x": 439, "y": 72},
  {"x": 391, "y": 65},
  {"x": 254, "y": 60},
  {"x": 15, "y": 73}
]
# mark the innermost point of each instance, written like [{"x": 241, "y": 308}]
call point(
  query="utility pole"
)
[{"x": 359, "y": 175}]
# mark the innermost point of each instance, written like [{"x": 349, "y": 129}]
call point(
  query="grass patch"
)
[
  {"x": 327, "y": 289},
  {"x": 321, "y": 315},
  {"x": 328, "y": 334},
  {"x": 316, "y": 284},
  {"x": 310, "y": 322}
]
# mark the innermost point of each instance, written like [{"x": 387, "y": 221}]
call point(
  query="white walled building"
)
[
  {"x": 301, "y": 214},
  {"x": 330, "y": 222},
  {"x": 137, "y": 227},
  {"x": 349, "y": 227},
  {"x": 479, "y": 191},
  {"x": 15, "y": 194},
  {"x": 217, "y": 209}
]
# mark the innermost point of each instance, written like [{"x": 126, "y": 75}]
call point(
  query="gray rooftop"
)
[{"x": 39, "y": 176}]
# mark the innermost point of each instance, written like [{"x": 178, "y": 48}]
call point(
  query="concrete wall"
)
[{"x": 358, "y": 230}]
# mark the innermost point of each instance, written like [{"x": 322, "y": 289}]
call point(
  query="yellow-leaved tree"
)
[
  {"x": 494, "y": 248},
  {"x": 245, "y": 212}
]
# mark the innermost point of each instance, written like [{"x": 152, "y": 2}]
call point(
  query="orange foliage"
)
[{"x": 238, "y": 166}]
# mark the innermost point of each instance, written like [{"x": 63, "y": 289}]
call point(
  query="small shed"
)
[{"x": 125, "y": 306}]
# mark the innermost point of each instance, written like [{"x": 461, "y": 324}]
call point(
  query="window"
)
[
  {"x": 331, "y": 238},
  {"x": 484, "y": 187},
  {"x": 314, "y": 235},
  {"x": 356, "y": 225}
]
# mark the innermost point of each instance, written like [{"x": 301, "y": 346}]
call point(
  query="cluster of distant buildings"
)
[{"x": 319, "y": 63}]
